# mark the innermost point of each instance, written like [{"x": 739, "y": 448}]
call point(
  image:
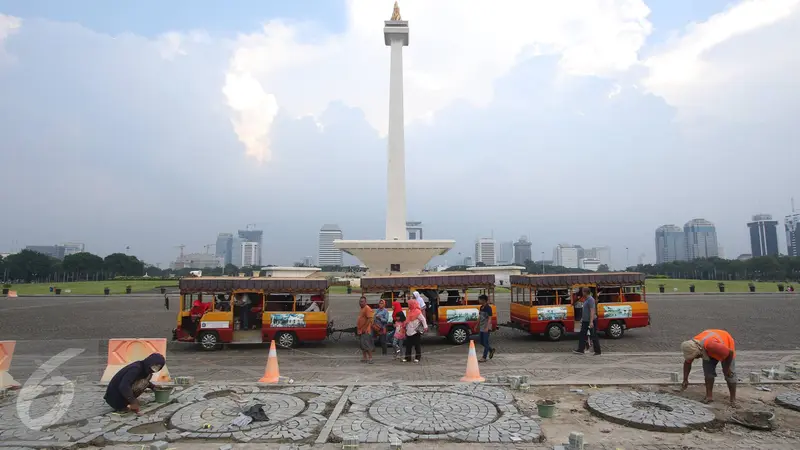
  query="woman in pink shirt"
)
[{"x": 415, "y": 325}]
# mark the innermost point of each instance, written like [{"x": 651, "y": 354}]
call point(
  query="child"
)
[{"x": 399, "y": 333}]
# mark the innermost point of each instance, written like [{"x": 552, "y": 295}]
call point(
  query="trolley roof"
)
[
  {"x": 450, "y": 280},
  {"x": 224, "y": 284},
  {"x": 568, "y": 279}
]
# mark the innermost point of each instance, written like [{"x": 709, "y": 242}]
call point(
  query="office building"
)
[
  {"x": 603, "y": 254},
  {"x": 328, "y": 255},
  {"x": 253, "y": 235},
  {"x": 468, "y": 261},
  {"x": 792, "y": 226},
  {"x": 71, "y": 248},
  {"x": 414, "y": 230},
  {"x": 701, "y": 239},
  {"x": 236, "y": 251},
  {"x": 592, "y": 264},
  {"x": 53, "y": 251},
  {"x": 485, "y": 252},
  {"x": 251, "y": 254},
  {"x": 197, "y": 261},
  {"x": 224, "y": 247},
  {"x": 670, "y": 244},
  {"x": 522, "y": 251},
  {"x": 763, "y": 235},
  {"x": 505, "y": 253},
  {"x": 566, "y": 255}
]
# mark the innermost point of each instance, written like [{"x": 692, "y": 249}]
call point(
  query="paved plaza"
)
[{"x": 610, "y": 398}]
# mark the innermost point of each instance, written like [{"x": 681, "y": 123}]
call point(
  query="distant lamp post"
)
[{"x": 542, "y": 263}]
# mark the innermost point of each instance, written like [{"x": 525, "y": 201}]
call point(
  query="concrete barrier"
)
[
  {"x": 122, "y": 352},
  {"x": 6, "y": 353}
]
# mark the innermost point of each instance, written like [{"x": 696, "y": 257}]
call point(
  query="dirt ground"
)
[{"x": 571, "y": 415}]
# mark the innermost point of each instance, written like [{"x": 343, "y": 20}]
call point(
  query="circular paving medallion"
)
[
  {"x": 215, "y": 415},
  {"x": 650, "y": 411},
  {"x": 433, "y": 412},
  {"x": 789, "y": 400}
]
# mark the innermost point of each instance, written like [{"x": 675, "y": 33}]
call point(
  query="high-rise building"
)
[
  {"x": 224, "y": 247},
  {"x": 236, "y": 251},
  {"x": 522, "y": 251},
  {"x": 701, "y": 239},
  {"x": 603, "y": 254},
  {"x": 328, "y": 254},
  {"x": 566, "y": 255},
  {"x": 414, "y": 230},
  {"x": 485, "y": 251},
  {"x": 670, "y": 244},
  {"x": 763, "y": 235},
  {"x": 253, "y": 235},
  {"x": 505, "y": 252},
  {"x": 468, "y": 261},
  {"x": 792, "y": 225},
  {"x": 251, "y": 254}
]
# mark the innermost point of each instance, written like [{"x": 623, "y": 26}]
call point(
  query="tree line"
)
[
  {"x": 31, "y": 266},
  {"x": 764, "y": 268}
]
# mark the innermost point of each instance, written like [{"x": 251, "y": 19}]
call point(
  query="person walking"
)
[
  {"x": 714, "y": 347},
  {"x": 485, "y": 326},
  {"x": 364, "y": 331},
  {"x": 588, "y": 324},
  {"x": 381, "y": 324},
  {"x": 415, "y": 326}
]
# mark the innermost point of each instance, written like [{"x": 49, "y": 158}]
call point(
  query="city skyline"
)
[{"x": 269, "y": 96}]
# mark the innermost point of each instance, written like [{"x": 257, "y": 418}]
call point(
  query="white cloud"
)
[
  {"x": 8, "y": 26},
  {"x": 459, "y": 48},
  {"x": 695, "y": 72}
]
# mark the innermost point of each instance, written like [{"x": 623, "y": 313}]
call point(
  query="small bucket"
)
[
  {"x": 546, "y": 408},
  {"x": 162, "y": 394}
]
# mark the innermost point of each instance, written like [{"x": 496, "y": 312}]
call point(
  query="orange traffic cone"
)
[
  {"x": 473, "y": 373},
  {"x": 271, "y": 374}
]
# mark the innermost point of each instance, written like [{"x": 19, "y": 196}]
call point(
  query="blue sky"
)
[
  {"x": 588, "y": 122},
  {"x": 153, "y": 17}
]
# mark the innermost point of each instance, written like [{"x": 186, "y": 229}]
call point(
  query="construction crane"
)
[
  {"x": 181, "y": 247},
  {"x": 208, "y": 246}
]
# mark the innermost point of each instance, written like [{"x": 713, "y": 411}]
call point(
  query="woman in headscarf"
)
[
  {"x": 415, "y": 326},
  {"x": 396, "y": 308},
  {"x": 419, "y": 300},
  {"x": 381, "y": 324}
]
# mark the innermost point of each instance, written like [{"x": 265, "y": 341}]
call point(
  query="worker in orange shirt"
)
[{"x": 714, "y": 347}]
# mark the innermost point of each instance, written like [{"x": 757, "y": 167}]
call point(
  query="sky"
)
[{"x": 152, "y": 124}]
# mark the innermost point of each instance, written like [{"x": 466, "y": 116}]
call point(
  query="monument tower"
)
[{"x": 396, "y": 253}]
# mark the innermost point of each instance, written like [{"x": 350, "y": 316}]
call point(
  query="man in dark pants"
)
[
  {"x": 588, "y": 323},
  {"x": 131, "y": 381}
]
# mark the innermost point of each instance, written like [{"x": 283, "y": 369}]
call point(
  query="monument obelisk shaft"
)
[{"x": 395, "y": 33}]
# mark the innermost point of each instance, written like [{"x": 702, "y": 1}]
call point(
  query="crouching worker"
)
[
  {"x": 131, "y": 381},
  {"x": 714, "y": 347}
]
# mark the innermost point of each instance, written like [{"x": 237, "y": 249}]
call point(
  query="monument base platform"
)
[{"x": 384, "y": 257}]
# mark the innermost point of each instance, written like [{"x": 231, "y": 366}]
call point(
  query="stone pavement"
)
[{"x": 322, "y": 417}]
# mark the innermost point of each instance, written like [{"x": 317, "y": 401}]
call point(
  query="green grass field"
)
[
  {"x": 707, "y": 285},
  {"x": 93, "y": 287}
]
